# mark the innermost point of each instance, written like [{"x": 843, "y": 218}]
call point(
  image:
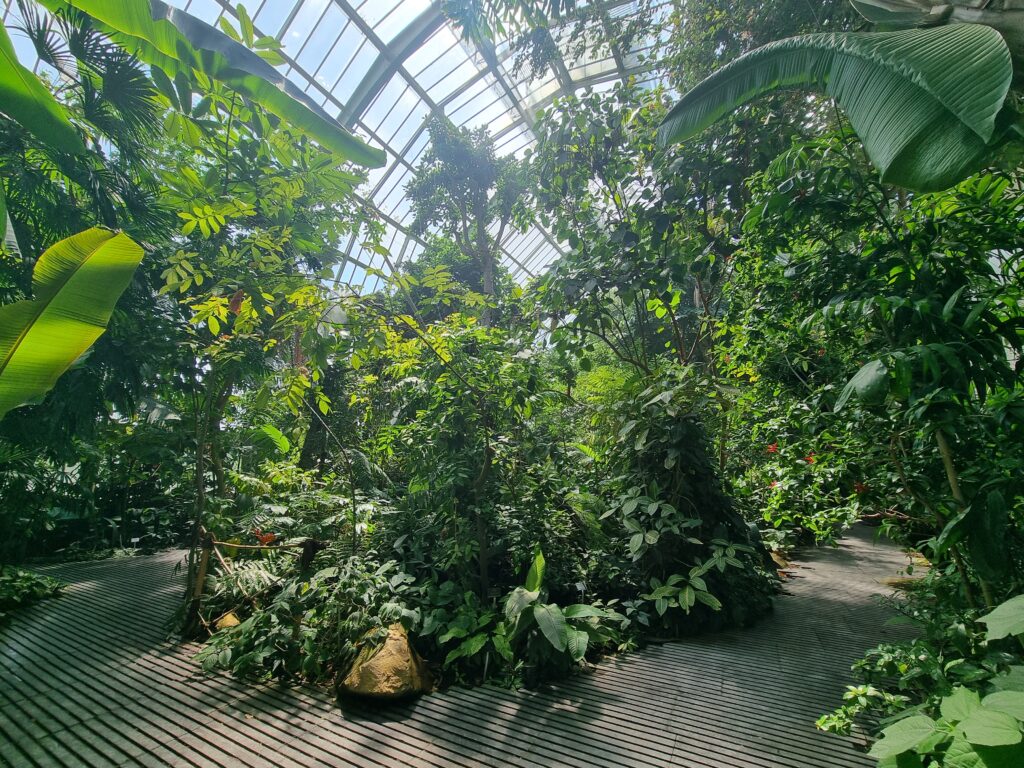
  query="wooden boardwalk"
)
[{"x": 90, "y": 680}]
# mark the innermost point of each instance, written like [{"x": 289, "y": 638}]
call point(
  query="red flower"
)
[
  {"x": 809, "y": 458},
  {"x": 773, "y": 447},
  {"x": 859, "y": 488},
  {"x": 821, "y": 353},
  {"x": 774, "y": 484},
  {"x": 264, "y": 538}
]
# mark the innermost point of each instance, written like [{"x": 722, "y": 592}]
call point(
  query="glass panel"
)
[
  {"x": 480, "y": 90},
  {"x": 393, "y": 189},
  {"x": 513, "y": 142},
  {"x": 418, "y": 148},
  {"x": 593, "y": 69},
  {"x": 389, "y": 204},
  {"x": 384, "y": 105},
  {"x": 436, "y": 46},
  {"x": 346, "y": 272},
  {"x": 402, "y": 212},
  {"x": 341, "y": 54},
  {"x": 373, "y": 11},
  {"x": 397, "y": 20},
  {"x": 322, "y": 38},
  {"x": 272, "y": 16},
  {"x": 405, "y": 130},
  {"x": 298, "y": 31},
  {"x": 207, "y": 10},
  {"x": 350, "y": 77}
]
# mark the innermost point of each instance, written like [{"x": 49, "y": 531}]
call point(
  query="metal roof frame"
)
[{"x": 492, "y": 86}]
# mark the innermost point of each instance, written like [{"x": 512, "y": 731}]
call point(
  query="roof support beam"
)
[{"x": 389, "y": 61}]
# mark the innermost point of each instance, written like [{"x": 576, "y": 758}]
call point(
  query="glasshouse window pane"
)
[
  {"x": 207, "y": 10},
  {"x": 321, "y": 40},
  {"x": 302, "y": 25},
  {"x": 403, "y": 13},
  {"x": 352, "y": 73},
  {"x": 272, "y": 16}
]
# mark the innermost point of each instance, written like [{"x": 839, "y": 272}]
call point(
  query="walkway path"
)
[{"x": 88, "y": 679}]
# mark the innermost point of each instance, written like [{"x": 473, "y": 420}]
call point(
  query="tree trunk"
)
[
  {"x": 315, "y": 445},
  {"x": 486, "y": 255}
]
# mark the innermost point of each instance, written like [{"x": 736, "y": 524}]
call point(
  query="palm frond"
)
[{"x": 51, "y": 48}]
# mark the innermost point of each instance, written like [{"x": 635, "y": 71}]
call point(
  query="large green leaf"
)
[
  {"x": 535, "y": 577},
  {"x": 902, "y": 760},
  {"x": 518, "y": 601},
  {"x": 75, "y": 285},
  {"x": 1010, "y": 702},
  {"x": 1011, "y": 680},
  {"x": 960, "y": 703},
  {"x": 25, "y": 99},
  {"x": 177, "y": 42},
  {"x": 903, "y": 735},
  {"x": 552, "y": 625},
  {"x": 576, "y": 643},
  {"x": 963, "y": 754},
  {"x": 1005, "y": 619},
  {"x": 990, "y": 728},
  {"x": 894, "y": 13},
  {"x": 870, "y": 384},
  {"x": 928, "y": 104}
]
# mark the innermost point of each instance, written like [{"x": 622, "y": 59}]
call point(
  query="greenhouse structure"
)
[{"x": 512, "y": 383}]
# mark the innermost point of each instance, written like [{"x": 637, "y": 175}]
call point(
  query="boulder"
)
[
  {"x": 392, "y": 670},
  {"x": 227, "y": 620}
]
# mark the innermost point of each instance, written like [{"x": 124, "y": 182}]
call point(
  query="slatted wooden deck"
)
[{"x": 90, "y": 680}]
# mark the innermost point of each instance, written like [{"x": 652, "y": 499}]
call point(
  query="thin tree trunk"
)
[{"x": 953, "y": 478}]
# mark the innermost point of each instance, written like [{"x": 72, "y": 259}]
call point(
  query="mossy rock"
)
[{"x": 391, "y": 670}]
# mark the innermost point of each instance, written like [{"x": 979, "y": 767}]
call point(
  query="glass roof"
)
[{"x": 384, "y": 67}]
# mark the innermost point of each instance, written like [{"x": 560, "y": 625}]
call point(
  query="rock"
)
[
  {"x": 227, "y": 620},
  {"x": 779, "y": 560},
  {"x": 392, "y": 670}
]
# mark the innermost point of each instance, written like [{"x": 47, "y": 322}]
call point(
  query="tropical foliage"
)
[
  {"x": 74, "y": 287},
  {"x": 19, "y": 588},
  {"x": 750, "y": 341},
  {"x": 930, "y": 105}
]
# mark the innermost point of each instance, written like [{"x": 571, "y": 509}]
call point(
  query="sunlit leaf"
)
[
  {"x": 75, "y": 285},
  {"x": 27, "y": 101},
  {"x": 177, "y": 42}
]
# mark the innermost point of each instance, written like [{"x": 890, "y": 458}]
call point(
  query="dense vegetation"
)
[{"x": 752, "y": 341}]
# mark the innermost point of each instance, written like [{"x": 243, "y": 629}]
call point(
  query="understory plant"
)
[
  {"x": 20, "y": 588},
  {"x": 977, "y": 723},
  {"x": 311, "y": 624}
]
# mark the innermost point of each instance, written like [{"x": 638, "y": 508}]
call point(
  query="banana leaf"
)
[
  {"x": 177, "y": 42},
  {"x": 929, "y": 105},
  {"x": 26, "y": 100},
  {"x": 75, "y": 285},
  {"x": 894, "y": 13}
]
